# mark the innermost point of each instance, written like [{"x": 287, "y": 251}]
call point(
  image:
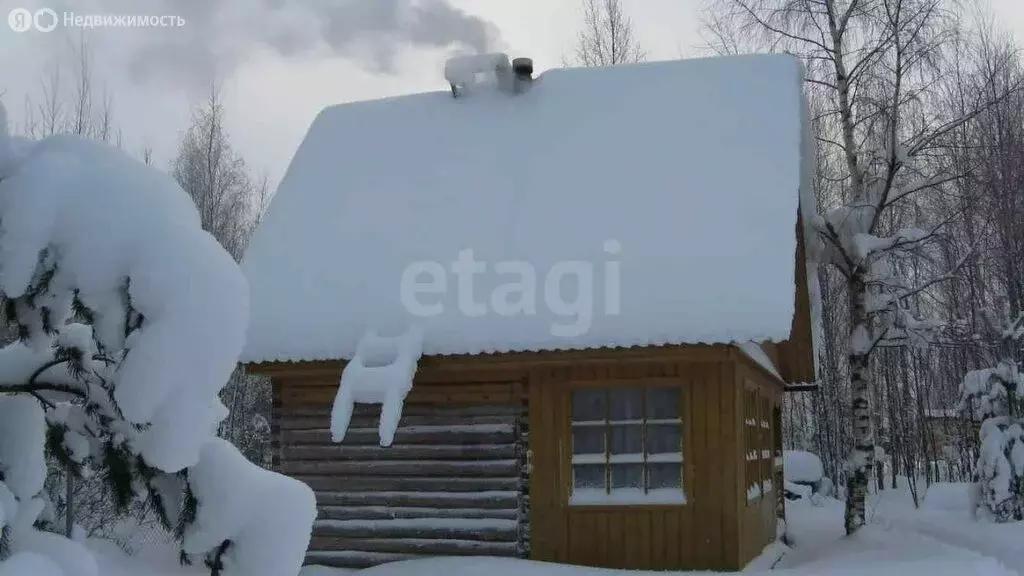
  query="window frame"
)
[
  {"x": 765, "y": 418},
  {"x": 642, "y": 385},
  {"x": 751, "y": 444},
  {"x": 760, "y": 458}
]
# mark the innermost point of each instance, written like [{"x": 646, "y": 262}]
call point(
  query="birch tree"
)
[
  {"x": 607, "y": 37},
  {"x": 876, "y": 66},
  {"x": 217, "y": 178}
]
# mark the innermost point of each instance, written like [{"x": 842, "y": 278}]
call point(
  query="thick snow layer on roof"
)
[{"x": 636, "y": 205}]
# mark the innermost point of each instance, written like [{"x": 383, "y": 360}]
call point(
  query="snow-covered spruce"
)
[
  {"x": 129, "y": 320},
  {"x": 995, "y": 398}
]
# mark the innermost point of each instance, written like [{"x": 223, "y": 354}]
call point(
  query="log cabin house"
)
[{"x": 634, "y": 423}]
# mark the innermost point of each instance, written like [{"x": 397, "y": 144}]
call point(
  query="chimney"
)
[
  {"x": 465, "y": 72},
  {"x": 523, "y": 70}
]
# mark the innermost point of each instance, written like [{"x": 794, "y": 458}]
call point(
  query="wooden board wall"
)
[
  {"x": 795, "y": 356},
  {"x": 704, "y": 533},
  {"x": 758, "y": 518},
  {"x": 701, "y": 534}
]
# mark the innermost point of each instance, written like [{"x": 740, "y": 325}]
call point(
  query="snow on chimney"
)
[{"x": 463, "y": 73}]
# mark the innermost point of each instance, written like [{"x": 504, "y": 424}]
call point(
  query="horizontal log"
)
[
  {"x": 414, "y": 546},
  {"x": 434, "y": 394},
  {"x": 392, "y": 512},
  {"x": 422, "y": 528},
  {"x": 490, "y": 499},
  {"x": 408, "y": 452},
  {"x": 341, "y": 484},
  {"x": 435, "y": 468},
  {"x": 323, "y": 421},
  {"x": 412, "y": 435},
  {"x": 354, "y": 559},
  {"x": 410, "y": 409}
]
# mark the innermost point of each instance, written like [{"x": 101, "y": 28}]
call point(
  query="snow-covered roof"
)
[{"x": 674, "y": 185}]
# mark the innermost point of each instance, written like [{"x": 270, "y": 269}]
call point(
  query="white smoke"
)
[{"x": 218, "y": 35}]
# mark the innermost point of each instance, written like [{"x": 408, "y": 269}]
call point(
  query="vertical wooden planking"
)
[
  {"x": 646, "y": 533},
  {"x": 740, "y": 474},
  {"x": 658, "y": 537},
  {"x": 616, "y": 533},
  {"x": 716, "y": 497},
  {"x": 729, "y": 455},
  {"x": 639, "y": 535},
  {"x": 561, "y": 427},
  {"x": 577, "y": 538},
  {"x": 683, "y": 523},
  {"x": 629, "y": 540},
  {"x": 599, "y": 522},
  {"x": 678, "y": 548},
  {"x": 703, "y": 466},
  {"x": 631, "y": 537}
]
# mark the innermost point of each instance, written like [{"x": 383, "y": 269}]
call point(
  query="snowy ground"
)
[{"x": 940, "y": 539}]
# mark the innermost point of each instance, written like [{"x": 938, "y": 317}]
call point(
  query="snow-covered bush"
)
[
  {"x": 995, "y": 398},
  {"x": 129, "y": 321},
  {"x": 802, "y": 467},
  {"x": 826, "y": 487},
  {"x": 804, "y": 476}
]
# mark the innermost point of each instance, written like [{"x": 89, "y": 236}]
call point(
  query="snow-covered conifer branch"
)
[{"x": 130, "y": 319}]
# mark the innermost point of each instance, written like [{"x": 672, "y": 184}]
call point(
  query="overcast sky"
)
[{"x": 281, "y": 61}]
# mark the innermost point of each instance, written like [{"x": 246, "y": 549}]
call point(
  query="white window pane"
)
[
  {"x": 589, "y": 405},
  {"x": 664, "y": 438},
  {"x": 663, "y": 403},
  {"x": 626, "y": 439},
  {"x": 626, "y": 404},
  {"x": 588, "y": 440},
  {"x": 664, "y": 476},
  {"x": 588, "y": 476},
  {"x": 627, "y": 476}
]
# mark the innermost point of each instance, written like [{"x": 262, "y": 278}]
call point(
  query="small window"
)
[
  {"x": 765, "y": 447},
  {"x": 761, "y": 446},
  {"x": 752, "y": 443},
  {"x": 627, "y": 446}
]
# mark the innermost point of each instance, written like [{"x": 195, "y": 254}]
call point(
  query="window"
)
[
  {"x": 627, "y": 446},
  {"x": 760, "y": 429},
  {"x": 767, "y": 443},
  {"x": 752, "y": 471}
]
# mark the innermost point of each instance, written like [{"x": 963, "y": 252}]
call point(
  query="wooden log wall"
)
[{"x": 453, "y": 482}]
